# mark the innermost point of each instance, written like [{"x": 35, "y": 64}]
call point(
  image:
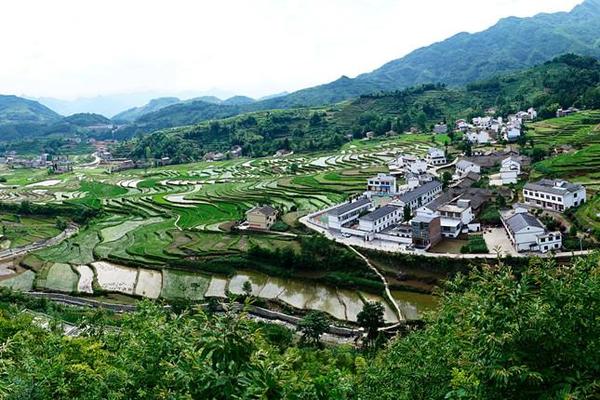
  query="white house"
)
[
  {"x": 455, "y": 217},
  {"x": 380, "y": 219},
  {"x": 532, "y": 113},
  {"x": 382, "y": 184},
  {"x": 420, "y": 196},
  {"x": 527, "y": 233},
  {"x": 463, "y": 167},
  {"x": 462, "y": 125},
  {"x": 512, "y": 134},
  {"x": 554, "y": 194},
  {"x": 409, "y": 163},
  {"x": 479, "y": 137},
  {"x": 509, "y": 172},
  {"x": 435, "y": 156},
  {"x": 348, "y": 212}
]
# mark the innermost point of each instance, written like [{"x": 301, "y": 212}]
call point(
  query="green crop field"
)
[
  {"x": 579, "y": 130},
  {"x": 158, "y": 215}
]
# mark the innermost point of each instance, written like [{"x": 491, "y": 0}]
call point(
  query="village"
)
[{"x": 439, "y": 202}]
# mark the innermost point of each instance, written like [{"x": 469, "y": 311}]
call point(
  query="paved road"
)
[
  {"x": 391, "y": 247},
  {"x": 9, "y": 254},
  {"x": 497, "y": 239}
]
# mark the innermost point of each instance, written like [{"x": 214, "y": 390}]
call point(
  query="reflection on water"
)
[{"x": 343, "y": 304}]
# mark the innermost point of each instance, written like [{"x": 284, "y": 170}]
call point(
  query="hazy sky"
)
[{"x": 70, "y": 48}]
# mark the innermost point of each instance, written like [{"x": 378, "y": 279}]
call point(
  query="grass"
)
[
  {"x": 20, "y": 231},
  {"x": 581, "y": 129},
  {"x": 476, "y": 245}
]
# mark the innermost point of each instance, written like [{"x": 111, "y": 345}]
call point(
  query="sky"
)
[{"x": 72, "y": 48}]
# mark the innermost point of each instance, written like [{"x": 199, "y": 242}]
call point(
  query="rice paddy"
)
[{"x": 160, "y": 215}]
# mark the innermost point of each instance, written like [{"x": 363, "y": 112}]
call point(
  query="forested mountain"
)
[
  {"x": 153, "y": 105},
  {"x": 512, "y": 44},
  {"x": 238, "y": 100},
  {"x": 86, "y": 119},
  {"x": 569, "y": 80},
  {"x": 15, "y": 110}
]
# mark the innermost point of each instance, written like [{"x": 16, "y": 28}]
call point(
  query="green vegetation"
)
[
  {"x": 565, "y": 81},
  {"x": 476, "y": 245},
  {"x": 497, "y": 334},
  {"x": 20, "y": 230}
]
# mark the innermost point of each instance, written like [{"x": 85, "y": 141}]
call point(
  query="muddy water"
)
[{"x": 341, "y": 303}]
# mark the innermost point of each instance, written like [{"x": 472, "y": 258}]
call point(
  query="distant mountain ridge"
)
[
  {"x": 14, "y": 110},
  {"x": 510, "y": 45}
]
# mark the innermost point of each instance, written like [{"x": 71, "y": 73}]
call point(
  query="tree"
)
[
  {"x": 422, "y": 121},
  {"x": 371, "y": 319},
  {"x": 406, "y": 213},
  {"x": 247, "y": 288},
  {"x": 446, "y": 178},
  {"x": 501, "y": 334},
  {"x": 312, "y": 326}
]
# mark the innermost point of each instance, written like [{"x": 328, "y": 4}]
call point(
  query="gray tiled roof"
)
[
  {"x": 380, "y": 213},
  {"x": 344, "y": 208},
  {"x": 419, "y": 191},
  {"x": 464, "y": 164},
  {"x": 523, "y": 220},
  {"x": 548, "y": 186},
  {"x": 266, "y": 210}
]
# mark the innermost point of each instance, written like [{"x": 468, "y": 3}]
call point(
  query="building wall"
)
[
  {"x": 554, "y": 202},
  {"x": 259, "y": 220}
]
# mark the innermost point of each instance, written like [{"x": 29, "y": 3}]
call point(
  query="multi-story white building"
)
[
  {"x": 455, "y": 217},
  {"x": 420, "y": 196},
  {"x": 554, "y": 194},
  {"x": 527, "y": 233},
  {"x": 510, "y": 170},
  {"x": 345, "y": 213},
  {"x": 435, "y": 156},
  {"x": 382, "y": 184},
  {"x": 380, "y": 219}
]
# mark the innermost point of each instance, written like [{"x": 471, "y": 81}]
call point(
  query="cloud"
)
[{"x": 69, "y": 48}]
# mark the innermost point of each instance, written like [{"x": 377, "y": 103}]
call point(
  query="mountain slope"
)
[
  {"x": 511, "y": 44},
  {"x": 16, "y": 110},
  {"x": 153, "y": 105},
  {"x": 86, "y": 119},
  {"x": 568, "y": 80}
]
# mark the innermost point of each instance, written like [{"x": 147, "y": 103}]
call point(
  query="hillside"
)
[
  {"x": 511, "y": 44},
  {"x": 238, "y": 100},
  {"x": 16, "y": 110},
  {"x": 87, "y": 119},
  {"x": 153, "y": 105},
  {"x": 568, "y": 80}
]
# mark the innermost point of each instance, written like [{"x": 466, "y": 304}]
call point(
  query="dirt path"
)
[{"x": 388, "y": 293}]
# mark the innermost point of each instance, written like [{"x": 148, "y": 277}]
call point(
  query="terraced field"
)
[
  {"x": 581, "y": 165},
  {"x": 577, "y": 130},
  {"x": 158, "y": 216}
]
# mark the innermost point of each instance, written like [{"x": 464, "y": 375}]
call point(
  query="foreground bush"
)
[
  {"x": 501, "y": 336},
  {"x": 498, "y": 334}
]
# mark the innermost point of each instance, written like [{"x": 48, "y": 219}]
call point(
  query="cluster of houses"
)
[
  {"x": 234, "y": 152},
  {"x": 488, "y": 129},
  {"x": 55, "y": 164},
  {"x": 421, "y": 213}
]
